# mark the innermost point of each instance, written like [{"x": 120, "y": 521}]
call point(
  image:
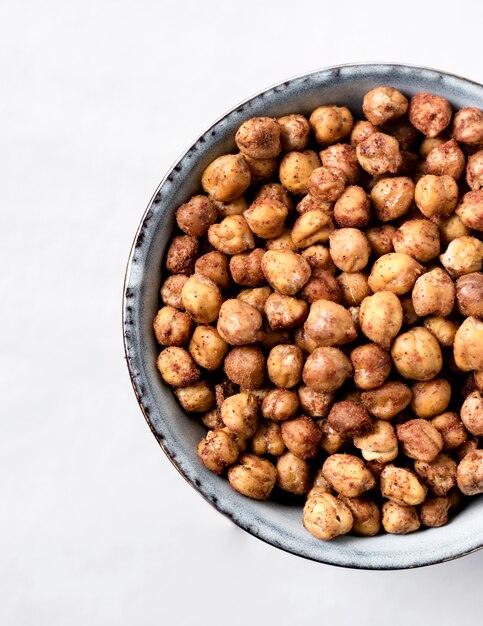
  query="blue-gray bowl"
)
[{"x": 178, "y": 434}]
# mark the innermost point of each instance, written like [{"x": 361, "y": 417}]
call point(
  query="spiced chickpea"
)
[
  {"x": 304, "y": 341},
  {"x": 430, "y": 398},
  {"x": 439, "y": 474},
  {"x": 465, "y": 448},
  {"x": 366, "y": 514},
  {"x": 201, "y": 298},
  {"x": 468, "y": 126},
  {"x": 232, "y": 207},
  {"x": 399, "y": 520},
  {"x": 470, "y": 209},
  {"x": 280, "y": 405},
  {"x": 293, "y": 473},
  {"x": 372, "y": 365},
  {"x": 394, "y": 272},
  {"x": 282, "y": 242},
  {"x": 443, "y": 329},
  {"x": 348, "y": 475},
  {"x": 446, "y": 159},
  {"x": 380, "y": 444},
  {"x": 253, "y": 476},
  {"x": 409, "y": 314},
  {"x": 349, "y": 249},
  {"x": 295, "y": 170},
  {"x": 257, "y": 297},
  {"x": 417, "y": 354},
  {"x": 246, "y": 268},
  {"x": 382, "y": 104},
  {"x": 313, "y": 203},
  {"x": 434, "y": 293},
  {"x": 318, "y": 257},
  {"x": 352, "y": 208},
  {"x": 294, "y": 132},
  {"x": 274, "y": 191},
  {"x": 285, "y": 271},
  {"x": 195, "y": 216},
  {"x": 217, "y": 451},
  {"x": 474, "y": 171},
  {"x": 285, "y": 312},
  {"x": 284, "y": 365},
  {"x": 467, "y": 345},
  {"x": 420, "y": 440},
  {"x": 245, "y": 366},
  {"x": 240, "y": 414},
  {"x": 386, "y": 401},
  {"x": 232, "y": 235},
  {"x": 331, "y": 123},
  {"x": 430, "y": 143},
  {"x": 361, "y": 130},
  {"x": 354, "y": 287},
  {"x": 215, "y": 266},
  {"x": 434, "y": 511},
  {"x": 310, "y": 228},
  {"x": 469, "y": 294},
  {"x": 342, "y": 156},
  {"x": 177, "y": 367},
  {"x": 172, "y": 327},
  {"x": 327, "y": 183},
  {"x": 322, "y": 285},
  {"x": 239, "y": 323},
  {"x": 436, "y": 196},
  {"x": 171, "y": 290},
  {"x": 226, "y": 178},
  {"x": 429, "y": 113},
  {"x": 392, "y": 197},
  {"x": 266, "y": 217},
  {"x": 451, "y": 428},
  {"x": 332, "y": 441},
  {"x": 378, "y": 154},
  {"x": 181, "y": 255},
  {"x": 196, "y": 398},
  {"x": 326, "y": 516},
  {"x": 452, "y": 228},
  {"x": 326, "y": 369},
  {"x": 380, "y": 239},
  {"x": 349, "y": 419},
  {"x": 261, "y": 170},
  {"x": 301, "y": 436},
  {"x": 469, "y": 474},
  {"x": 463, "y": 256},
  {"x": 212, "y": 420},
  {"x": 207, "y": 347},
  {"x": 402, "y": 486},
  {"x": 268, "y": 439},
  {"x": 417, "y": 238},
  {"x": 381, "y": 317},
  {"x": 314, "y": 403},
  {"x": 329, "y": 324},
  {"x": 471, "y": 413},
  {"x": 259, "y": 138},
  {"x": 402, "y": 129}
]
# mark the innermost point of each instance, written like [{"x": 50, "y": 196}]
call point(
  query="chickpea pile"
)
[{"x": 322, "y": 315}]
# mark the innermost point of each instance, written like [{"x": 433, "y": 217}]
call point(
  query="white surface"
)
[{"x": 98, "y": 99}]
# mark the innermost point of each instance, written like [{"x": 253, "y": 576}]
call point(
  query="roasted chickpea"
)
[
  {"x": 177, "y": 367},
  {"x": 420, "y": 440},
  {"x": 463, "y": 256},
  {"x": 465, "y": 448},
  {"x": 434, "y": 293},
  {"x": 261, "y": 170},
  {"x": 280, "y": 405},
  {"x": 349, "y": 419},
  {"x": 172, "y": 327},
  {"x": 381, "y": 317},
  {"x": 310, "y": 228},
  {"x": 384, "y": 103},
  {"x": 327, "y": 183},
  {"x": 366, "y": 514},
  {"x": 402, "y": 129},
  {"x": 301, "y": 436},
  {"x": 380, "y": 239},
  {"x": 303, "y": 341},
  {"x": 329, "y": 324},
  {"x": 214, "y": 265},
  {"x": 232, "y": 235},
  {"x": 349, "y": 249},
  {"x": 474, "y": 171},
  {"x": 326, "y": 369},
  {"x": 295, "y": 170},
  {"x": 285, "y": 271},
  {"x": 274, "y": 191},
  {"x": 326, "y": 516},
  {"x": 331, "y": 123},
  {"x": 409, "y": 314},
  {"x": 402, "y": 486},
  {"x": 268, "y": 439},
  {"x": 259, "y": 138},
  {"x": 371, "y": 364},
  {"x": 217, "y": 451},
  {"x": 245, "y": 366},
  {"x": 253, "y": 477},
  {"x": 430, "y": 398},
  {"x": 312, "y": 203},
  {"x": 207, "y": 347},
  {"x": 443, "y": 329},
  {"x": 239, "y": 323},
  {"x": 196, "y": 398},
  {"x": 354, "y": 287},
  {"x": 348, "y": 475},
  {"x": 342, "y": 156},
  {"x": 353, "y": 208},
  {"x": 315, "y": 403},
  {"x": 201, "y": 298},
  {"x": 257, "y": 297},
  {"x": 392, "y": 197},
  {"x": 246, "y": 268},
  {"x": 467, "y": 345},
  {"x": 469, "y": 474},
  {"x": 294, "y": 132},
  {"x": 284, "y": 365},
  {"x": 436, "y": 196},
  {"x": 380, "y": 444},
  {"x": 322, "y": 285},
  {"x": 378, "y": 154},
  {"x": 470, "y": 209},
  {"x": 171, "y": 290},
  {"x": 266, "y": 217},
  {"x": 451, "y": 429},
  {"x": 232, "y": 207},
  {"x": 387, "y": 400},
  {"x": 332, "y": 441},
  {"x": 181, "y": 255},
  {"x": 417, "y": 355},
  {"x": 361, "y": 130},
  {"x": 226, "y": 178},
  {"x": 430, "y": 143},
  {"x": 439, "y": 474},
  {"x": 468, "y": 126},
  {"x": 318, "y": 257},
  {"x": 434, "y": 511},
  {"x": 293, "y": 473},
  {"x": 240, "y": 414},
  {"x": 399, "y": 520},
  {"x": 418, "y": 239},
  {"x": 452, "y": 228},
  {"x": 394, "y": 272},
  {"x": 284, "y": 311},
  {"x": 472, "y": 413},
  {"x": 429, "y": 113},
  {"x": 446, "y": 160},
  {"x": 282, "y": 242},
  {"x": 212, "y": 420},
  {"x": 195, "y": 216}
]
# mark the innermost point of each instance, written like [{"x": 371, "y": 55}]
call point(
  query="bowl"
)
[{"x": 277, "y": 523}]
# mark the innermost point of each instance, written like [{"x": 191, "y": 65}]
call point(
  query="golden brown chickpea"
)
[
  {"x": 434, "y": 511},
  {"x": 430, "y": 398},
  {"x": 329, "y": 324},
  {"x": 294, "y": 132},
  {"x": 463, "y": 256},
  {"x": 253, "y": 477},
  {"x": 321, "y": 483},
  {"x": 469, "y": 474},
  {"x": 409, "y": 314},
  {"x": 303, "y": 341},
  {"x": 240, "y": 414},
  {"x": 352, "y": 208},
  {"x": 382, "y": 104},
  {"x": 381, "y": 317},
  {"x": 284, "y": 365},
  {"x": 257, "y": 297},
  {"x": 468, "y": 126},
  {"x": 467, "y": 345},
  {"x": 285, "y": 312},
  {"x": 361, "y": 130},
  {"x": 418, "y": 239},
  {"x": 354, "y": 287},
  {"x": 430, "y": 143},
  {"x": 331, "y": 123},
  {"x": 314, "y": 403},
  {"x": 207, "y": 347},
  {"x": 380, "y": 444},
  {"x": 212, "y": 420},
  {"x": 171, "y": 290},
  {"x": 245, "y": 366},
  {"x": 224, "y": 390},
  {"x": 348, "y": 475},
  {"x": 399, "y": 520},
  {"x": 349, "y": 419},
  {"x": 402, "y": 486},
  {"x": 312, "y": 203},
  {"x": 274, "y": 191},
  {"x": 239, "y": 323},
  {"x": 295, "y": 169},
  {"x": 452, "y": 228},
  {"x": 392, "y": 197},
  {"x": 268, "y": 439},
  {"x": 443, "y": 329},
  {"x": 326, "y": 183},
  {"x": 177, "y": 367},
  {"x": 181, "y": 255},
  {"x": 196, "y": 398},
  {"x": 349, "y": 249},
  {"x": 322, "y": 285},
  {"x": 470, "y": 209},
  {"x": 280, "y": 405},
  {"x": 388, "y": 400},
  {"x": 380, "y": 239},
  {"x": 246, "y": 268},
  {"x": 474, "y": 171},
  {"x": 342, "y": 156},
  {"x": 310, "y": 228},
  {"x": 172, "y": 327},
  {"x": 301, "y": 436},
  {"x": 472, "y": 413},
  {"x": 366, "y": 514},
  {"x": 326, "y": 369},
  {"x": 429, "y": 113},
  {"x": 266, "y": 217},
  {"x": 232, "y": 235},
  {"x": 417, "y": 355},
  {"x": 282, "y": 242},
  {"x": 420, "y": 440},
  {"x": 195, "y": 216},
  {"x": 261, "y": 170},
  {"x": 451, "y": 429},
  {"x": 318, "y": 257},
  {"x": 331, "y": 441},
  {"x": 217, "y": 451},
  {"x": 326, "y": 517},
  {"x": 201, "y": 298},
  {"x": 446, "y": 160},
  {"x": 226, "y": 178},
  {"x": 293, "y": 473},
  {"x": 394, "y": 272},
  {"x": 434, "y": 293},
  {"x": 259, "y": 138},
  {"x": 372, "y": 365},
  {"x": 214, "y": 265},
  {"x": 378, "y": 154},
  {"x": 439, "y": 474},
  {"x": 436, "y": 196},
  {"x": 285, "y": 271},
  {"x": 232, "y": 207}
]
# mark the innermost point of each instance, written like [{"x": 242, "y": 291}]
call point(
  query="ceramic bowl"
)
[{"x": 277, "y": 523}]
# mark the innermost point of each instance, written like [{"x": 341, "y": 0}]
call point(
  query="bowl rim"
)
[{"x": 127, "y": 344}]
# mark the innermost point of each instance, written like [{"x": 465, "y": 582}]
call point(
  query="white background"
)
[{"x": 97, "y": 100}]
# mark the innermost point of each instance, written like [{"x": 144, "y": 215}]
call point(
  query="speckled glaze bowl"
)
[{"x": 178, "y": 434}]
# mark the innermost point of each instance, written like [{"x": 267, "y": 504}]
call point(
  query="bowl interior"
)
[{"x": 274, "y": 522}]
